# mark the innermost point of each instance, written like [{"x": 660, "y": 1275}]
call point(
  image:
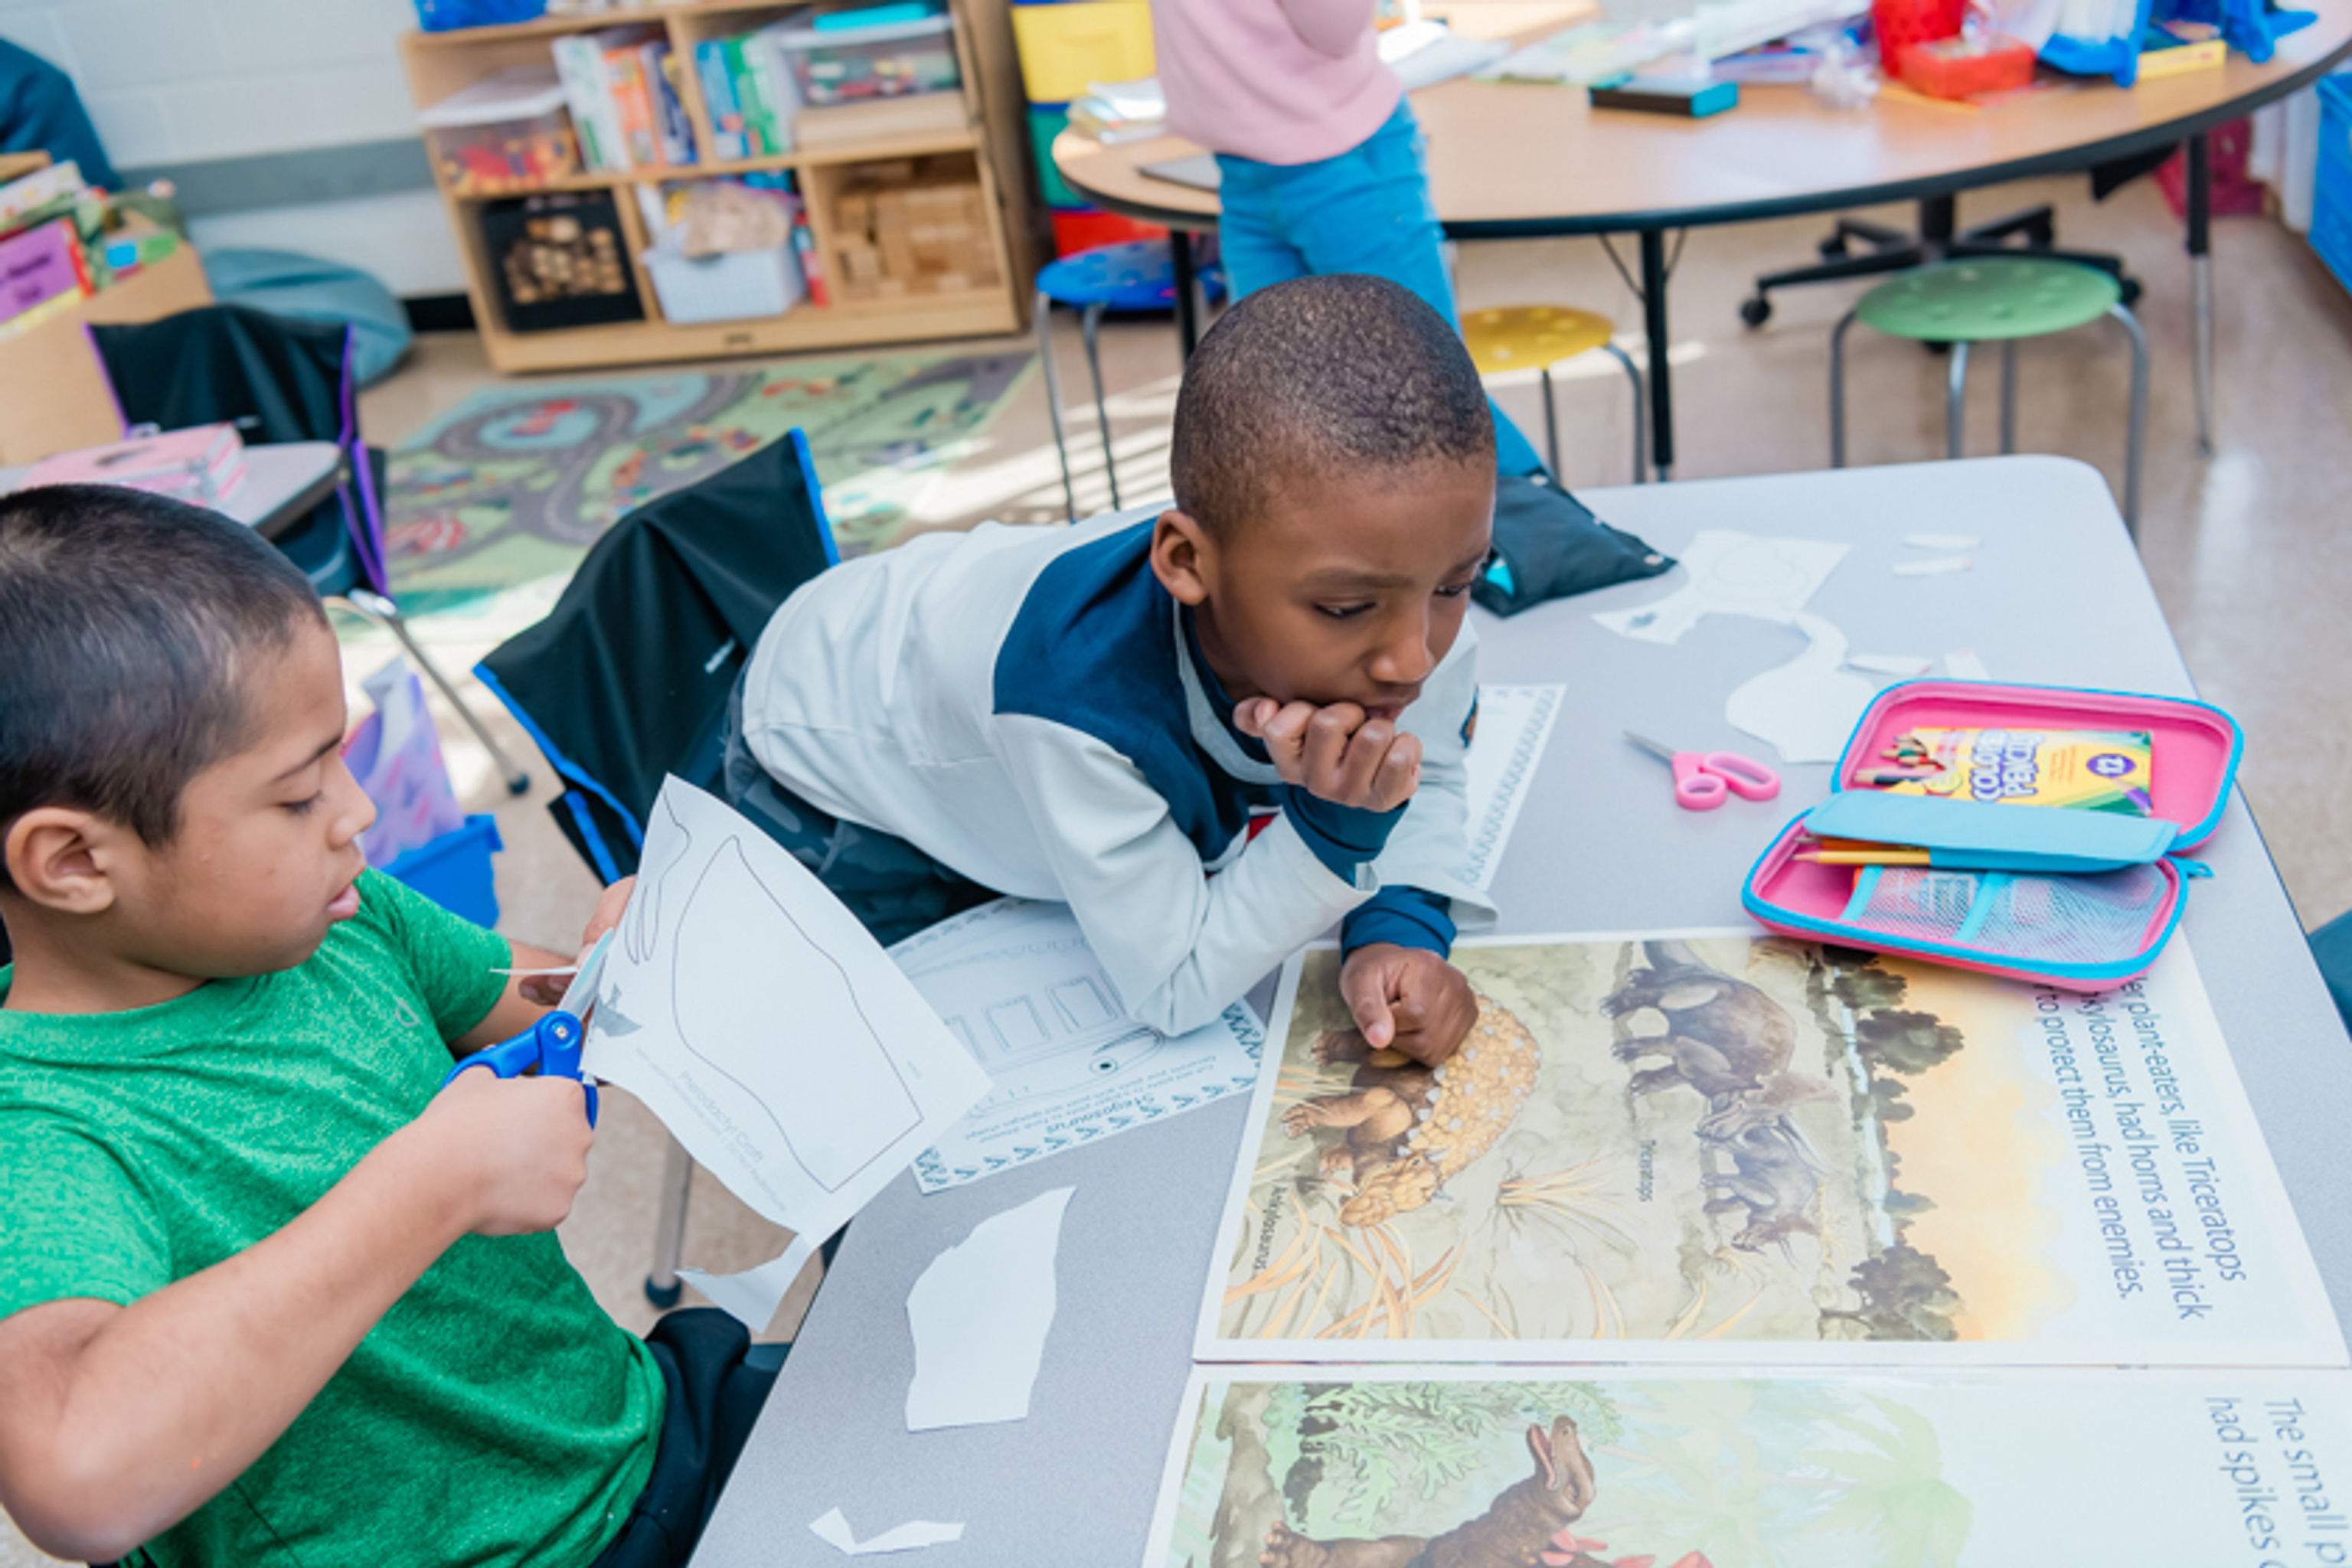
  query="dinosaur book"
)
[
  {"x": 1432, "y": 1467},
  {"x": 1673, "y": 1148}
]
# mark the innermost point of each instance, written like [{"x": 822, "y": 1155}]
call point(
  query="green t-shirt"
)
[{"x": 494, "y": 1416}]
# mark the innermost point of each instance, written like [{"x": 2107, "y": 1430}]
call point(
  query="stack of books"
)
[
  {"x": 749, "y": 86},
  {"x": 627, "y": 106},
  {"x": 204, "y": 465}
]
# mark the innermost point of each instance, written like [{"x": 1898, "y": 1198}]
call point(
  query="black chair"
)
[
  {"x": 281, "y": 380},
  {"x": 627, "y": 678},
  {"x": 1939, "y": 238}
]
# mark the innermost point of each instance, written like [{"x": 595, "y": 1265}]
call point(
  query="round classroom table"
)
[{"x": 1515, "y": 160}]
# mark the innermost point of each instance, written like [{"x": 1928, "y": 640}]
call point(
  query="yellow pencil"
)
[{"x": 1866, "y": 858}]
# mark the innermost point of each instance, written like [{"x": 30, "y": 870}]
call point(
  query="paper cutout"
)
[
  {"x": 980, "y": 1314},
  {"x": 752, "y": 1014},
  {"x": 1898, "y": 664},
  {"x": 1732, "y": 574},
  {"x": 1514, "y": 726},
  {"x": 1017, "y": 984},
  {"x": 1962, "y": 664},
  {"x": 834, "y": 1529},
  {"x": 1808, "y": 707},
  {"x": 1933, "y": 566}
]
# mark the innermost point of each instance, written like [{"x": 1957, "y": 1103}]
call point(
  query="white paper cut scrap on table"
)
[
  {"x": 1514, "y": 726},
  {"x": 1732, "y": 574},
  {"x": 1018, "y": 985},
  {"x": 1943, "y": 542},
  {"x": 1962, "y": 664},
  {"x": 1808, "y": 707},
  {"x": 980, "y": 1314},
  {"x": 834, "y": 1529},
  {"x": 750, "y": 1013},
  {"x": 1933, "y": 566},
  {"x": 1896, "y": 664}
]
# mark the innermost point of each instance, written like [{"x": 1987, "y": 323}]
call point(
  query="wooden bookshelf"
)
[{"x": 991, "y": 132}]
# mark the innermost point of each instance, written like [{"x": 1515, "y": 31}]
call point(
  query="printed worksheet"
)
[
  {"x": 1017, "y": 984},
  {"x": 1389, "y": 1467},
  {"x": 752, "y": 1013},
  {"x": 1677, "y": 1148},
  {"x": 1514, "y": 726}
]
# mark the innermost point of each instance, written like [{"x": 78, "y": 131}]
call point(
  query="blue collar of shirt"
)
[{"x": 1244, "y": 757}]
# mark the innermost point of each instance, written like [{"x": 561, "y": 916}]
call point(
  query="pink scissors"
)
[{"x": 1701, "y": 780}]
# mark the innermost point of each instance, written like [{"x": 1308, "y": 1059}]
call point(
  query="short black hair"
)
[
  {"x": 1316, "y": 376},
  {"x": 128, "y": 625}
]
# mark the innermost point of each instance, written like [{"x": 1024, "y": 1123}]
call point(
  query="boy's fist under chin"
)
[
  {"x": 1337, "y": 753},
  {"x": 517, "y": 1149},
  {"x": 1408, "y": 999}
]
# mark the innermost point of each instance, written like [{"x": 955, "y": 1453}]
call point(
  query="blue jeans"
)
[{"x": 1367, "y": 210}]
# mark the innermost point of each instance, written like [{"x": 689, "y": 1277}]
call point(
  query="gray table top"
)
[{"x": 2056, "y": 596}]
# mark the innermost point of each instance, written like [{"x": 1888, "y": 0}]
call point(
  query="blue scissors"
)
[
  {"x": 550, "y": 1047},
  {"x": 1704, "y": 779}
]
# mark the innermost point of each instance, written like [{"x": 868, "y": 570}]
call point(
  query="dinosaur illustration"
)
[
  {"x": 1512, "y": 1533},
  {"x": 1775, "y": 1176},
  {"x": 1408, "y": 1128},
  {"x": 1724, "y": 1036}
]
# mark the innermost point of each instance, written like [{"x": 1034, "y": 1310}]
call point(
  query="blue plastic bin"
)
[
  {"x": 2331, "y": 193},
  {"x": 445, "y": 15},
  {"x": 454, "y": 870}
]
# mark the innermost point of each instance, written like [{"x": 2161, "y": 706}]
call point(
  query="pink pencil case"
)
[{"x": 2078, "y": 899}]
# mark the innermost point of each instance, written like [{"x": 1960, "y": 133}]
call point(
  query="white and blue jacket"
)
[{"x": 1026, "y": 705}]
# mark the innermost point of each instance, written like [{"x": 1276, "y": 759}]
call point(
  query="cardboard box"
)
[{"x": 54, "y": 394}]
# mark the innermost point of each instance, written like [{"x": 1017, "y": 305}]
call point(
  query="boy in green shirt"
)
[{"x": 268, "y": 1294}]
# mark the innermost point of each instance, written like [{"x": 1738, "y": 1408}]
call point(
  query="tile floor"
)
[{"x": 2249, "y": 548}]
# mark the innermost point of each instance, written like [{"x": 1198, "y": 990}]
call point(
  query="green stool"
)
[{"x": 1995, "y": 300}]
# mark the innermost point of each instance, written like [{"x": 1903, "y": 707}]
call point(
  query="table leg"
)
[
  {"x": 2198, "y": 155},
  {"x": 1188, "y": 318},
  {"x": 1654, "y": 327}
]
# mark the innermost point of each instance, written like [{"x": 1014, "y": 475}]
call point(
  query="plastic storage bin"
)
[
  {"x": 732, "y": 286},
  {"x": 559, "y": 261},
  {"x": 454, "y": 870},
  {"x": 1064, "y": 48},
  {"x": 444, "y": 15},
  {"x": 847, "y": 64},
  {"x": 1045, "y": 123},
  {"x": 511, "y": 132},
  {"x": 2331, "y": 183}
]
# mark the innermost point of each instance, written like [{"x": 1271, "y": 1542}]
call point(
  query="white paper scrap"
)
[
  {"x": 1899, "y": 664},
  {"x": 1933, "y": 566},
  {"x": 1018, "y": 985},
  {"x": 1808, "y": 707},
  {"x": 1733, "y": 574},
  {"x": 834, "y": 1529},
  {"x": 980, "y": 1314},
  {"x": 750, "y": 1013},
  {"x": 1962, "y": 664},
  {"x": 1945, "y": 542},
  {"x": 1514, "y": 726}
]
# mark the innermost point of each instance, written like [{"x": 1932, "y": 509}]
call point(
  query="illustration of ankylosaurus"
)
[{"x": 1408, "y": 1129}]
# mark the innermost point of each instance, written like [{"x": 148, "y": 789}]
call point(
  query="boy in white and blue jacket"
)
[{"x": 1213, "y": 731}]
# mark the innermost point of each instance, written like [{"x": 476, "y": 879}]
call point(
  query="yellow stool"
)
[{"x": 1513, "y": 337}]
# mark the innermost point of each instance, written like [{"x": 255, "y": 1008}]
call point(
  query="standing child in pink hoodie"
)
[{"x": 1318, "y": 150}]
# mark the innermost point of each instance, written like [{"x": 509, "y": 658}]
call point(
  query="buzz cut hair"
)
[
  {"x": 1315, "y": 378},
  {"x": 131, "y": 627}
]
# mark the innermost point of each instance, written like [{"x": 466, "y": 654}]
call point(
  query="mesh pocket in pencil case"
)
[{"x": 2090, "y": 921}]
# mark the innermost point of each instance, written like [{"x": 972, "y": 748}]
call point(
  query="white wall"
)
[{"x": 180, "y": 80}]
